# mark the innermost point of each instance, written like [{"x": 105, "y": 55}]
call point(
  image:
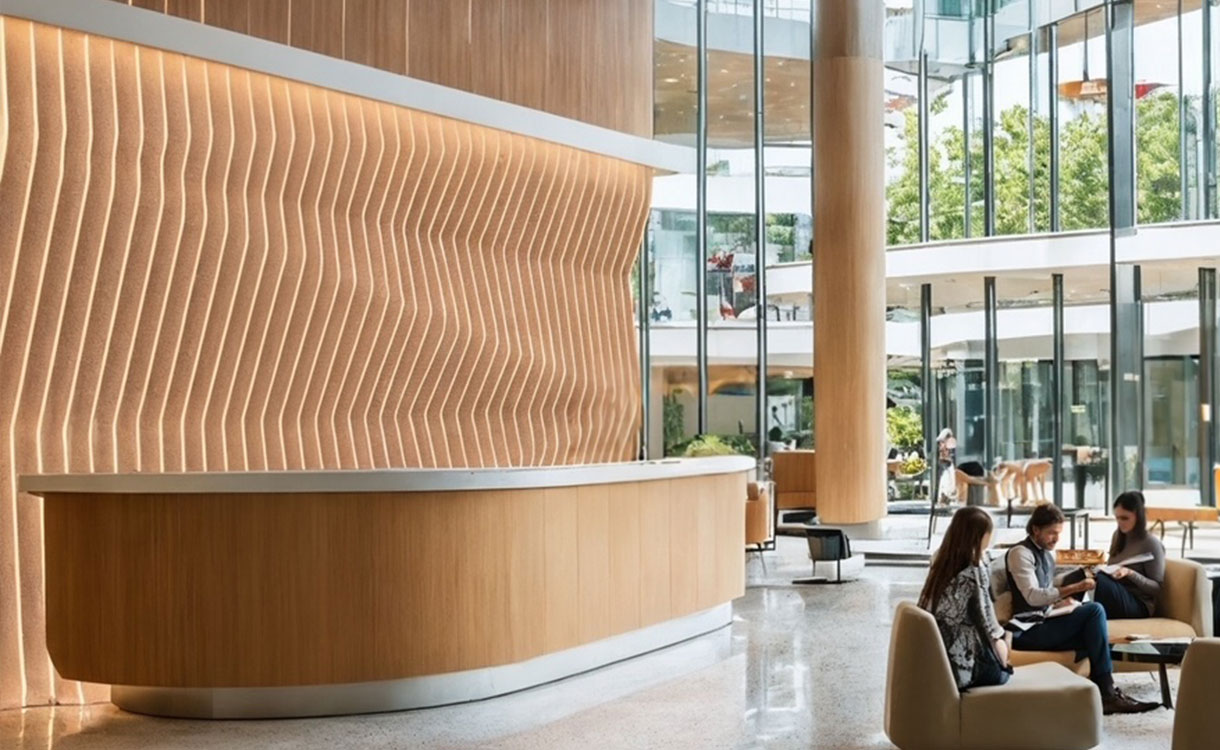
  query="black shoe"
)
[{"x": 1118, "y": 703}]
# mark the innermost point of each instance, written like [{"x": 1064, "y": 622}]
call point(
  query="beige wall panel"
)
[
  {"x": 269, "y": 19},
  {"x": 189, "y": 9},
  {"x": 625, "y": 540},
  {"x": 593, "y": 562},
  {"x": 317, "y": 25},
  {"x": 583, "y": 59},
  {"x": 487, "y": 38},
  {"x": 375, "y": 33},
  {"x": 233, "y": 15},
  {"x": 523, "y": 48},
  {"x": 561, "y": 618},
  {"x": 655, "y": 579},
  {"x": 231, "y": 590},
  {"x": 238, "y": 272},
  {"x": 440, "y": 48},
  {"x": 684, "y": 548}
]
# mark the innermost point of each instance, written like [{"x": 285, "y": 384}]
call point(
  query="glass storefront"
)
[{"x": 998, "y": 151}]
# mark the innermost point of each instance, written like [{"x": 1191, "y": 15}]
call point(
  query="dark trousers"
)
[
  {"x": 1083, "y": 631},
  {"x": 1118, "y": 600}
]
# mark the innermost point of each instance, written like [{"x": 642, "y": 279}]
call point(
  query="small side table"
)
[{"x": 1160, "y": 653}]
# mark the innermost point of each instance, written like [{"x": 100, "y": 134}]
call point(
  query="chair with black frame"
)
[{"x": 830, "y": 550}]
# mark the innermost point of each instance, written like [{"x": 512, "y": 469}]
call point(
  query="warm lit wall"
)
[
  {"x": 590, "y": 60},
  {"x": 207, "y": 268},
  {"x": 248, "y": 590}
]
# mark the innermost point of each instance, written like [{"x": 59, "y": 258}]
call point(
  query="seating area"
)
[
  {"x": 925, "y": 711},
  {"x": 1184, "y": 610}
]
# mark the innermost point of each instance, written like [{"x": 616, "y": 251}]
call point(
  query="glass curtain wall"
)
[
  {"x": 731, "y": 234},
  {"x": 1010, "y": 136},
  {"x": 1083, "y": 145},
  {"x": 1171, "y": 382},
  {"x": 907, "y": 475},
  {"x": 1050, "y": 141},
  {"x": 1025, "y": 446},
  {"x": 1086, "y": 395},
  {"x": 1157, "y": 98},
  {"x": 788, "y": 201},
  {"x": 670, "y": 241}
]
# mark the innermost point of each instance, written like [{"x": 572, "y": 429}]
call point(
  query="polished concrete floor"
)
[{"x": 800, "y": 667}]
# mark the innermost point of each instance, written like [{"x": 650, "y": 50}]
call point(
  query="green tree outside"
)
[{"x": 1083, "y": 167}]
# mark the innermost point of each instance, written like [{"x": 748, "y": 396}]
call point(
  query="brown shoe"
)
[{"x": 1118, "y": 703}]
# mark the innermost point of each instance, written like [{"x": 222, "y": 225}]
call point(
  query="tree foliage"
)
[{"x": 1083, "y": 172}]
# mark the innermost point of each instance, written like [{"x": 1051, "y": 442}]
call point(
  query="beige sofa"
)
[
  {"x": 1184, "y": 609},
  {"x": 1194, "y": 726},
  {"x": 925, "y": 711}
]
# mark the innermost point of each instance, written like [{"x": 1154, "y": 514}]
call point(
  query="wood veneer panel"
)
[
  {"x": 624, "y": 525},
  {"x": 233, "y": 15},
  {"x": 849, "y": 315},
  {"x": 561, "y": 615},
  {"x": 308, "y": 589},
  {"x": 440, "y": 47},
  {"x": 189, "y": 9},
  {"x": 269, "y": 19},
  {"x": 523, "y": 53},
  {"x": 487, "y": 39},
  {"x": 317, "y": 25},
  {"x": 232, "y": 271},
  {"x": 593, "y": 562},
  {"x": 375, "y": 33},
  {"x": 656, "y": 603},
  {"x": 684, "y": 548}
]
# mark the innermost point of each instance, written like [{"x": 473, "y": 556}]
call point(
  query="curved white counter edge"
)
[
  {"x": 414, "y": 692},
  {"x": 381, "y": 480},
  {"x": 154, "y": 29}
]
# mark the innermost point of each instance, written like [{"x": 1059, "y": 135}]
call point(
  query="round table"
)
[{"x": 1159, "y": 652}]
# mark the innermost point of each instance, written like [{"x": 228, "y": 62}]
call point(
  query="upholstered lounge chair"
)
[
  {"x": 925, "y": 711},
  {"x": 1184, "y": 609},
  {"x": 1194, "y": 725}
]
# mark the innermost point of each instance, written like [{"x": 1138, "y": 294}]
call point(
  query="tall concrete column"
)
[{"x": 849, "y": 261}]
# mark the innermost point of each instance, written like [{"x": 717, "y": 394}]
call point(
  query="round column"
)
[{"x": 849, "y": 261}]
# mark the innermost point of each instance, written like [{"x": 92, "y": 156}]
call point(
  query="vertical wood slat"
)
[
  {"x": 584, "y": 59},
  {"x": 223, "y": 304}
]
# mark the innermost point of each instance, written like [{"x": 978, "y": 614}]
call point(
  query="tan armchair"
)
[
  {"x": 758, "y": 514},
  {"x": 925, "y": 711},
  {"x": 793, "y": 474},
  {"x": 1198, "y": 695}
]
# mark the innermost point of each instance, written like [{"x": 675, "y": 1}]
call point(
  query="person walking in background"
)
[
  {"x": 958, "y": 596},
  {"x": 946, "y": 459}
]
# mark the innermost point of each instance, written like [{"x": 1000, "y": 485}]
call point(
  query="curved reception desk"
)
[{"x": 241, "y": 595}]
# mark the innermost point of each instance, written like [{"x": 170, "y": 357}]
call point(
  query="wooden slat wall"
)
[
  {"x": 590, "y": 60},
  {"x": 203, "y": 268},
  {"x": 247, "y": 590}
]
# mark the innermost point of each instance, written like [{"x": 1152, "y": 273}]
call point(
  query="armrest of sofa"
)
[{"x": 1187, "y": 596}]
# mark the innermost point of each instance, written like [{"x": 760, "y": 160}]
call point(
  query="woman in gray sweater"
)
[{"x": 1131, "y": 591}]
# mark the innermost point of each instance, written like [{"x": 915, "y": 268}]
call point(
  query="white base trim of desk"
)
[{"x": 412, "y": 692}]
